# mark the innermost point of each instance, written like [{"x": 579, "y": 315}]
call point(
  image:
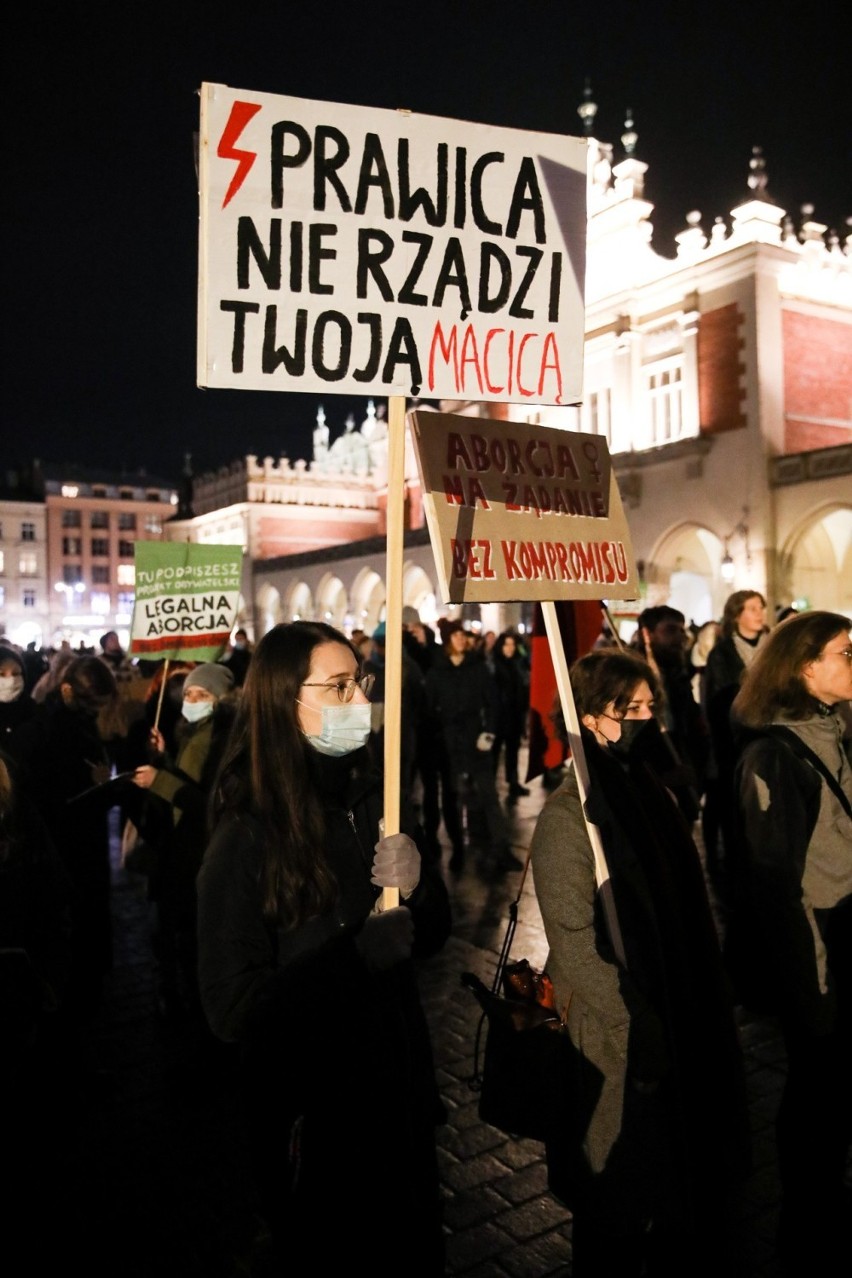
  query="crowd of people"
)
[{"x": 249, "y": 793}]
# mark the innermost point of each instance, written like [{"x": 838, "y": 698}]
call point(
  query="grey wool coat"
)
[
  {"x": 585, "y": 980},
  {"x": 660, "y": 1093}
]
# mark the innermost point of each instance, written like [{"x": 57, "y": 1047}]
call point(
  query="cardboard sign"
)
[
  {"x": 521, "y": 512},
  {"x": 358, "y": 251},
  {"x": 187, "y": 597}
]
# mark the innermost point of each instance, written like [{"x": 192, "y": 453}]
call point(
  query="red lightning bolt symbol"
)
[{"x": 241, "y": 113}]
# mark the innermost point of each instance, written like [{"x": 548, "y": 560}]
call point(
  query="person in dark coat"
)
[
  {"x": 511, "y": 682},
  {"x": 38, "y": 1100},
  {"x": 302, "y": 967},
  {"x": 661, "y": 639},
  {"x": 463, "y": 707},
  {"x": 16, "y": 704},
  {"x": 743, "y": 633},
  {"x": 794, "y": 785},
  {"x": 177, "y": 788},
  {"x": 238, "y": 657},
  {"x": 411, "y": 707},
  {"x": 63, "y": 765},
  {"x": 35, "y": 939},
  {"x": 660, "y": 1127}
]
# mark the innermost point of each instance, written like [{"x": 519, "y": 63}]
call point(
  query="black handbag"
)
[{"x": 524, "y": 1072}]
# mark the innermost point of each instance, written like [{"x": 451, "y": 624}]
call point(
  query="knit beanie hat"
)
[
  {"x": 11, "y": 654},
  {"x": 213, "y": 677}
]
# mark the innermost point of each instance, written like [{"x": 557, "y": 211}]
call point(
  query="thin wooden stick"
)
[
  {"x": 393, "y": 622},
  {"x": 162, "y": 691}
]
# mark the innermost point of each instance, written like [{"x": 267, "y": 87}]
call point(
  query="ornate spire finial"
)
[
  {"x": 587, "y": 110},
  {"x": 629, "y": 137},
  {"x": 757, "y": 178}
]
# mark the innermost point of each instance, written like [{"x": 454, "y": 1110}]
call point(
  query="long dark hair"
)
[
  {"x": 773, "y": 683},
  {"x": 267, "y": 768},
  {"x": 607, "y": 675}
]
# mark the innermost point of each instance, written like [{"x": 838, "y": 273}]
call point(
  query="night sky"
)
[{"x": 101, "y": 205}]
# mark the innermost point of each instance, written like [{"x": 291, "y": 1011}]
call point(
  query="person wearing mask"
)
[
  {"x": 462, "y": 707},
  {"x": 743, "y": 633},
  {"x": 300, "y": 965},
  {"x": 511, "y": 680},
  {"x": 16, "y": 706},
  {"x": 794, "y": 786},
  {"x": 638, "y": 976},
  {"x": 178, "y": 789}
]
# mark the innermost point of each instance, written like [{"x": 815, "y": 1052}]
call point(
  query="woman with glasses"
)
[
  {"x": 794, "y": 784},
  {"x": 300, "y": 966},
  {"x": 658, "y": 1130}
]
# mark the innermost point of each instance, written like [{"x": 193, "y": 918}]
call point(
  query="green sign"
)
[{"x": 187, "y": 598}]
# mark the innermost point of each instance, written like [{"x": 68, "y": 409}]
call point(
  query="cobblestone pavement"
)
[{"x": 157, "y": 1180}]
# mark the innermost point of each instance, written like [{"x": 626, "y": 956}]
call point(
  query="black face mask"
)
[{"x": 631, "y": 729}]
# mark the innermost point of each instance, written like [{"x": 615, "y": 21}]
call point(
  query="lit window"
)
[
  {"x": 665, "y": 400},
  {"x": 28, "y": 563},
  {"x": 153, "y": 524},
  {"x": 100, "y": 602},
  {"x": 126, "y": 575},
  {"x": 595, "y": 414},
  {"x": 125, "y": 601},
  {"x": 70, "y": 490},
  {"x": 2, "y": 596},
  {"x": 2, "y": 561}
]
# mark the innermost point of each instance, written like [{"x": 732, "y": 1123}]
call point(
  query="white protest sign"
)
[
  {"x": 521, "y": 512},
  {"x": 360, "y": 251}
]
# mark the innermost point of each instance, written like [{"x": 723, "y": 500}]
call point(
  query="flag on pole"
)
[{"x": 579, "y": 625}]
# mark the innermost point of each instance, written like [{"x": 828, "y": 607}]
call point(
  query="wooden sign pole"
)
[
  {"x": 393, "y": 622},
  {"x": 162, "y": 691},
  {"x": 572, "y": 724}
]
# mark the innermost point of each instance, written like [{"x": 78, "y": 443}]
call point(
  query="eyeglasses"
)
[
  {"x": 840, "y": 652},
  {"x": 345, "y": 688}
]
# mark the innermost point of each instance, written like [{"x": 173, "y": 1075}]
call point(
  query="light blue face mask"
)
[
  {"x": 344, "y": 729},
  {"x": 195, "y": 711}
]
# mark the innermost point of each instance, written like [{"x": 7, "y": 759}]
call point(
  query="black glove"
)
[{"x": 386, "y": 939}]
